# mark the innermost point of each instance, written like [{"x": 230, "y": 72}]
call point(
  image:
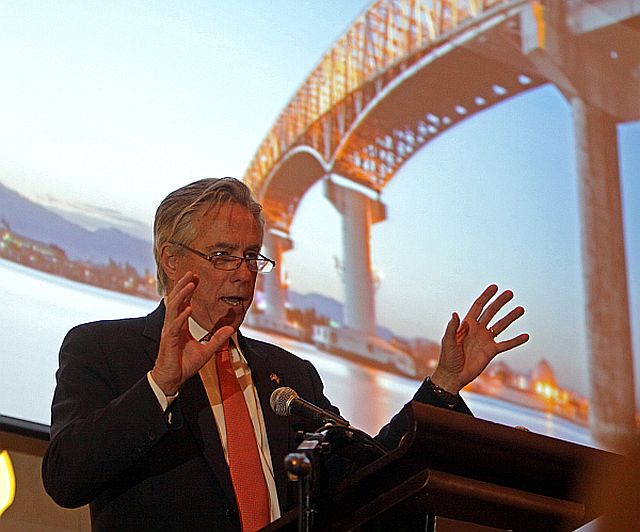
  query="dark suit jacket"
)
[{"x": 143, "y": 469}]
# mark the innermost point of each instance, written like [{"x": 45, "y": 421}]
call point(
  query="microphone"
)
[{"x": 285, "y": 401}]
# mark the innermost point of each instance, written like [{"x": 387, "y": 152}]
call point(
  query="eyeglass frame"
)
[{"x": 240, "y": 260}]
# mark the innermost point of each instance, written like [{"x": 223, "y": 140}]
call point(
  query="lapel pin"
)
[{"x": 273, "y": 377}]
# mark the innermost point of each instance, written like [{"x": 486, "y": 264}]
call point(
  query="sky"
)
[
  {"x": 107, "y": 107},
  {"x": 141, "y": 97},
  {"x": 484, "y": 204}
]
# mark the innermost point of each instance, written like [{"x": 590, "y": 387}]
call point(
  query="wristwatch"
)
[{"x": 450, "y": 399}]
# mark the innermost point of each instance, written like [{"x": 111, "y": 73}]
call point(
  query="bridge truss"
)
[{"x": 346, "y": 116}]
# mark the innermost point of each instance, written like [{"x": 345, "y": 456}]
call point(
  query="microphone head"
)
[{"x": 280, "y": 400}]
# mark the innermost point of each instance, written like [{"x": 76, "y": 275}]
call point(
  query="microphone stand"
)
[{"x": 301, "y": 467}]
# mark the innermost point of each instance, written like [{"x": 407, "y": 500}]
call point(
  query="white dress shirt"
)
[{"x": 209, "y": 377}]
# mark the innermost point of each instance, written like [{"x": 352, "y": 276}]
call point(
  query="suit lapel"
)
[
  {"x": 195, "y": 409},
  {"x": 197, "y": 412},
  {"x": 153, "y": 330}
]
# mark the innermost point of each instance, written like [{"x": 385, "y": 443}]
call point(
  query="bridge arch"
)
[
  {"x": 288, "y": 181},
  {"x": 406, "y": 71}
]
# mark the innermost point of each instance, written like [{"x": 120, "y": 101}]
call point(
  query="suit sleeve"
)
[
  {"x": 319, "y": 398},
  {"x": 391, "y": 434},
  {"x": 97, "y": 430}
]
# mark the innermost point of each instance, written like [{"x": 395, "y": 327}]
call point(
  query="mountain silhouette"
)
[
  {"x": 32, "y": 220},
  {"x": 328, "y": 307}
]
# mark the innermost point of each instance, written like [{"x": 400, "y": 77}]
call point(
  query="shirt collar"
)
[{"x": 199, "y": 332}]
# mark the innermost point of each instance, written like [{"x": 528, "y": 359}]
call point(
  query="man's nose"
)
[{"x": 243, "y": 271}]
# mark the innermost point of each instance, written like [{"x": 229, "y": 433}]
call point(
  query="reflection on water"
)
[
  {"x": 38, "y": 309},
  {"x": 369, "y": 397},
  {"x": 36, "y": 312}
]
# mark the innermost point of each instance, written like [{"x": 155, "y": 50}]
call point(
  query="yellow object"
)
[
  {"x": 538, "y": 13},
  {"x": 7, "y": 482}
]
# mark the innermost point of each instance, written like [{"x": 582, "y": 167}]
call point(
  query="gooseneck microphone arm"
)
[
  {"x": 300, "y": 465},
  {"x": 285, "y": 401}
]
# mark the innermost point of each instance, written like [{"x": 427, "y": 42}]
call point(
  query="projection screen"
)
[{"x": 499, "y": 143}]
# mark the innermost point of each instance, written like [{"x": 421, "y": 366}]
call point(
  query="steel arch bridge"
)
[
  {"x": 408, "y": 70},
  {"x": 402, "y": 74}
]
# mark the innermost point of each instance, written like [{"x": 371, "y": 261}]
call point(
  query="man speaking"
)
[{"x": 163, "y": 422}]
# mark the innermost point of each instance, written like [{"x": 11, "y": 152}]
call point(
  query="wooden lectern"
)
[{"x": 458, "y": 467}]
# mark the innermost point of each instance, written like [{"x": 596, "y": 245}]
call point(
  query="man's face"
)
[{"x": 221, "y": 297}]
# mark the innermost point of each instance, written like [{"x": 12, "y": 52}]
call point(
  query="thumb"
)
[
  {"x": 449, "y": 338},
  {"x": 219, "y": 337},
  {"x": 462, "y": 332}
]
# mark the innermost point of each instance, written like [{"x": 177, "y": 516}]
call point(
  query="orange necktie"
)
[{"x": 245, "y": 466}]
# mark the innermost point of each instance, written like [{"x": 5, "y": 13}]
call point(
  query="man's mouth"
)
[{"x": 233, "y": 301}]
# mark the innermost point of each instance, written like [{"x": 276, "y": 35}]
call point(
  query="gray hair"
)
[{"x": 175, "y": 213}]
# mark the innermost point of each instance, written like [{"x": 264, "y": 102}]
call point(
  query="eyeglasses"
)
[{"x": 258, "y": 263}]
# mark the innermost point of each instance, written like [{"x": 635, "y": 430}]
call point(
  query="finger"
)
[
  {"x": 503, "y": 323},
  {"x": 177, "y": 323},
  {"x": 180, "y": 296},
  {"x": 178, "y": 305},
  {"x": 481, "y": 301},
  {"x": 513, "y": 342},
  {"x": 176, "y": 314},
  {"x": 187, "y": 278},
  {"x": 494, "y": 307},
  {"x": 449, "y": 338}
]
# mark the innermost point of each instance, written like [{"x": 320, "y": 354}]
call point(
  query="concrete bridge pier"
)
[
  {"x": 612, "y": 405},
  {"x": 359, "y": 212},
  {"x": 276, "y": 243},
  {"x": 601, "y": 91}
]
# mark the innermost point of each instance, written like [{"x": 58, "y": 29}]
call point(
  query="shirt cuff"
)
[{"x": 164, "y": 400}]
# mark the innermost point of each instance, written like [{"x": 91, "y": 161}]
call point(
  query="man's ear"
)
[{"x": 169, "y": 260}]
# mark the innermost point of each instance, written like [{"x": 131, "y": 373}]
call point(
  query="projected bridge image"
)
[
  {"x": 405, "y": 73},
  {"x": 395, "y": 84}
]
